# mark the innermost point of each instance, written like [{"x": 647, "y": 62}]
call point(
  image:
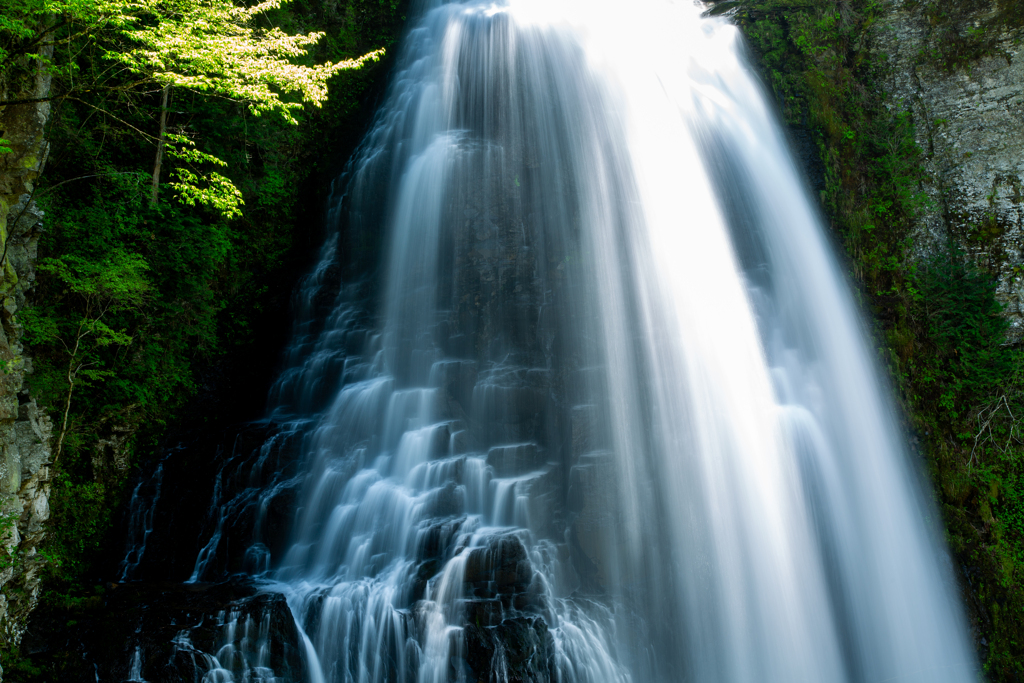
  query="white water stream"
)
[{"x": 607, "y": 376}]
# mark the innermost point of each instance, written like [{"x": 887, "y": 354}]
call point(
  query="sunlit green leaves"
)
[
  {"x": 216, "y": 46},
  {"x": 18, "y": 23},
  {"x": 211, "y": 189},
  {"x": 213, "y": 46},
  {"x": 195, "y": 188}
]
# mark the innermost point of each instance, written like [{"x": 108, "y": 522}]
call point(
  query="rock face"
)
[
  {"x": 970, "y": 123},
  {"x": 25, "y": 429},
  {"x": 518, "y": 649}
]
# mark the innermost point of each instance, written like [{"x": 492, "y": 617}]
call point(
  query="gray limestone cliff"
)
[
  {"x": 25, "y": 429},
  {"x": 969, "y": 118}
]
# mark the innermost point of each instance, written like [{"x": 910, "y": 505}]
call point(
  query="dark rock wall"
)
[{"x": 25, "y": 429}]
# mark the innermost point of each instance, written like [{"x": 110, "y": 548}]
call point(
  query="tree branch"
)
[
  {"x": 31, "y": 100},
  {"x": 104, "y": 111},
  {"x": 154, "y": 195}
]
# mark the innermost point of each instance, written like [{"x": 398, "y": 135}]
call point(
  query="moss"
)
[
  {"x": 10, "y": 276},
  {"x": 962, "y": 31}
]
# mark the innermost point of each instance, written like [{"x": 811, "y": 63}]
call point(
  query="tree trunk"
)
[
  {"x": 160, "y": 146},
  {"x": 72, "y": 373}
]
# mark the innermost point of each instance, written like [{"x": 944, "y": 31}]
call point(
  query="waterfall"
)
[{"x": 580, "y": 392}]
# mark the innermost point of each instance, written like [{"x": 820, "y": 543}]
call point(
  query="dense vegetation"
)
[
  {"x": 142, "y": 304},
  {"x": 938, "y": 322}
]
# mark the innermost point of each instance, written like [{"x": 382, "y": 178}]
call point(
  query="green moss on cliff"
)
[{"x": 963, "y": 31}]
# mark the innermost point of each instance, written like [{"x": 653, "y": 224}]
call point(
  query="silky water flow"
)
[{"x": 581, "y": 392}]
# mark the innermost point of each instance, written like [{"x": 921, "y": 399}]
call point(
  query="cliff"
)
[
  {"x": 25, "y": 429},
  {"x": 969, "y": 116}
]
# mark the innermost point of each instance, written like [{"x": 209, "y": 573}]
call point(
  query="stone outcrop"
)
[
  {"x": 970, "y": 124},
  {"x": 25, "y": 429}
]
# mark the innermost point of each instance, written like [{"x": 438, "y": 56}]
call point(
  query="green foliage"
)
[
  {"x": 970, "y": 398},
  {"x": 18, "y": 668},
  {"x": 80, "y": 515},
  {"x": 131, "y": 276},
  {"x": 19, "y": 24},
  {"x": 815, "y": 59},
  {"x": 210, "y": 46},
  {"x": 135, "y": 302},
  {"x": 115, "y": 282},
  {"x": 211, "y": 189},
  {"x": 966, "y": 361}
]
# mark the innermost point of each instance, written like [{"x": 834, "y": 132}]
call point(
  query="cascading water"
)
[{"x": 603, "y": 411}]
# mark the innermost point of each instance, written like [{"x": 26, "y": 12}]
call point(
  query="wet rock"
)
[
  {"x": 455, "y": 380},
  {"x": 437, "y": 539},
  {"x": 246, "y": 496},
  {"x": 435, "y": 543},
  {"x": 544, "y": 501},
  {"x": 518, "y": 649},
  {"x": 584, "y": 424},
  {"x": 502, "y": 567},
  {"x": 461, "y": 442},
  {"x": 515, "y": 459},
  {"x": 421, "y": 577},
  {"x": 592, "y": 502},
  {"x": 441, "y": 439},
  {"x": 507, "y": 408},
  {"x": 447, "y": 501},
  {"x": 533, "y": 501},
  {"x": 280, "y": 511}
]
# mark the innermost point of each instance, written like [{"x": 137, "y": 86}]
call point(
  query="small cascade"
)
[
  {"x": 249, "y": 490},
  {"x": 141, "y": 512},
  {"x": 245, "y": 653},
  {"x": 206, "y": 667},
  {"x": 243, "y": 656},
  {"x": 576, "y": 393},
  {"x": 135, "y": 672},
  {"x": 218, "y": 512}
]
